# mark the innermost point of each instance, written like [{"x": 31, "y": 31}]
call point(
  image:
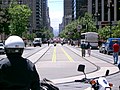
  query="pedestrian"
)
[
  {"x": 16, "y": 72},
  {"x": 83, "y": 47},
  {"x": 48, "y": 42},
  {"x": 116, "y": 48},
  {"x": 89, "y": 48}
]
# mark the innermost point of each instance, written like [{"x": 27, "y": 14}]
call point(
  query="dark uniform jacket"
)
[
  {"x": 18, "y": 74},
  {"x": 83, "y": 46}
]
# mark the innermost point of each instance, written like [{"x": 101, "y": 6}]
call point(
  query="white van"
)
[
  {"x": 37, "y": 42},
  {"x": 91, "y": 37}
]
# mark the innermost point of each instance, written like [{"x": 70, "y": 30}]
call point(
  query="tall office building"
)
[
  {"x": 73, "y": 9},
  {"x": 79, "y": 7},
  {"x": 39, "y": 17},
  {"x": 67, "y": 12},
  {"x": 106, "y": 10}
]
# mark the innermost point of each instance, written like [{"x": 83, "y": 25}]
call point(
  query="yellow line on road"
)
[
  {"x": 68, "y": 56},
  {"x": 54, "y": 55}
]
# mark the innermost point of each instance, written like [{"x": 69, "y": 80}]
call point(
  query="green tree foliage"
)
[
  {"x": 4, "y": 21},
  {"x": 71, "y": 30},
  {"x": 87, "y": 21},
  {"x": 116, "y": 30},
  {"x": 104, "y": 33},
  {"x": 44, "y": 33},
  {"x": 19, "y": 18},
  {"x": 29, "y": 36}
]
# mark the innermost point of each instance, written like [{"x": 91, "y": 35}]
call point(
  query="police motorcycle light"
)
[
  {"x": 94, "y": 84},
  {"x": 101, "y": 84},
  {"x": 111, "y": 85}
]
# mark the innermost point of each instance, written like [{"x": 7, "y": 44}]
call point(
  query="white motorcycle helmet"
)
[{"x": 14, "y": 45}]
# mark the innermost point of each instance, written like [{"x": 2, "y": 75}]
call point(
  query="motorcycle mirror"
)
[
  {"x": 81, "y": 68},
  {"x": 107, "y": 73}
]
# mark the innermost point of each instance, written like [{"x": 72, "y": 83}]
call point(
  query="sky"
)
[{"x": 55, "y": 13}]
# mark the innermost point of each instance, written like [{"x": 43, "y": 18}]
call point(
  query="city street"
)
[
  {"x": 59, "y": 64},
  {"x": 68, "y": 42}
]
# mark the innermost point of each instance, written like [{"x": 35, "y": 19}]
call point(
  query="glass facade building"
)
[{"x": 79, "y": 7}]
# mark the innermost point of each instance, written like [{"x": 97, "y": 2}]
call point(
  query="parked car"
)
[
  {"x": 37, "y": 42},
  {"x": 2, "y": 49},
  {"x": 109, "y": 44},
  {"x": 102, "y": 48}
]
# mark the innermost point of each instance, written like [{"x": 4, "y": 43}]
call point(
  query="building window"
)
[
  {"x": 118, "y": 9},
  {"x": 112, "y": 10},
  {"x": 99, "y": 10},
  {"x": 106, "y": 10},
  {"x": 93, "y": 7}
]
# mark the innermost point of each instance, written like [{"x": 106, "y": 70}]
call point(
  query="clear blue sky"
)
[{"x": 55, "y": 12}]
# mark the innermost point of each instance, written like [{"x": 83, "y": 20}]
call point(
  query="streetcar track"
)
[
  {"x": 35, "y": 52},
  {"x": 107, "y": 62},
  {"x": 42, "y": 55},
  {"x": 98, "y": 68}
]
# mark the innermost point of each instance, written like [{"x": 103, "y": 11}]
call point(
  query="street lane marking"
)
[
  {"x": 54, "y": 55},
  {"x": 89, "y": 88},
  {"x": 68, "y": 56}
]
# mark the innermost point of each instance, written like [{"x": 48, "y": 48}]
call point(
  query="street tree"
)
[
  {"x": 88, "y": 23},
  {"x": 4, "y": 21},
  {"x": 71, "y": 30},
  {"x": 19, "y": 18},
  {"x": 116, "y": 30},
  {"x": 44, "y": 33},
  {"x": 104, "y": 33}
]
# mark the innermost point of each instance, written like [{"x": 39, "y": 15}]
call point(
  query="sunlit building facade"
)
[
  {"x": 79, "y": 7},
  {"x": 67, "y": 12},
  {"x": 105, "y": 11},
  {"x": 40, "y": 13}
]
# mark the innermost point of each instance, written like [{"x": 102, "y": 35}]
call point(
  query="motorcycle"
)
[
  {"x": 99, "y": 83},
  {"x": 47, "y": 85}
]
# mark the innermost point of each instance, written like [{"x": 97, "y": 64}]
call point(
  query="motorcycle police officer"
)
[{"x": 16, "y": 72}]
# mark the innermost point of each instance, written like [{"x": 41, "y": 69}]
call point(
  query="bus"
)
[{"x": 91, "y": 37}]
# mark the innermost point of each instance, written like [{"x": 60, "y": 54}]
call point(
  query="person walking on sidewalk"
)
[
  {"x": 116, "y": 48},
  {"x": 89, "y": 48},
  {"x": 83, "y": 47}
]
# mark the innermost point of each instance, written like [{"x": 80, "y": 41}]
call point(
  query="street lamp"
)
[{"x": 96, "y": 15}]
